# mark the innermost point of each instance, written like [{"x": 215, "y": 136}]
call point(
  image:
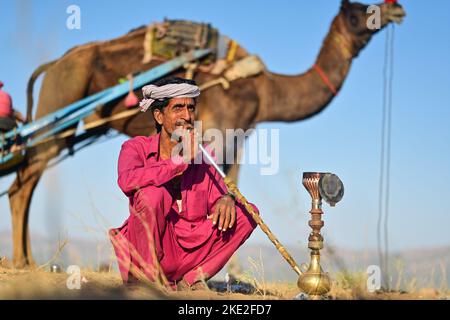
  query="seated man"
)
[{"x": 182, "y": 220}]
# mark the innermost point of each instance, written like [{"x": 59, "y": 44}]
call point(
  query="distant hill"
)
[{"x": 427, "y": 267}]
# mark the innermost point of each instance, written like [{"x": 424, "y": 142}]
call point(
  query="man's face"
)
[{"x": 178, "y": 114}]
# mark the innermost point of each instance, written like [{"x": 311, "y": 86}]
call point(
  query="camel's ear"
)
[{"x": 345, "y": 4}]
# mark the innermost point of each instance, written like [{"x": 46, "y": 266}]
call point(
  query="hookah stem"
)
[{"x": 235, "y": 191}]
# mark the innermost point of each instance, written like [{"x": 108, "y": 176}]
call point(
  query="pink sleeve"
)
[{"x": 134, "y": 173}]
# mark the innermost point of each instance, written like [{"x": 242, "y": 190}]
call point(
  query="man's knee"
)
[
  {"x": 250, "y": 225},
  {"x": 242, "y": 214},
  {"x": 245, "y": 224},
  {"x": 150, "y": 199}
]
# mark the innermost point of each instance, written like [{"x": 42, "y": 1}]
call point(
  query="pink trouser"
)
[{"x": 155, "y": 208}]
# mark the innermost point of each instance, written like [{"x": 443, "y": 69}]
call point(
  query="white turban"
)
[{"x": 171, "y": 90}]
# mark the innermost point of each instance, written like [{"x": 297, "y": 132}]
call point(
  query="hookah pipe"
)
[
  {"x": 232, "y": 188},
  {"x": 314, "y": 281}
]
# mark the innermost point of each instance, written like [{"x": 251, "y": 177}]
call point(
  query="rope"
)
[
  {"x": 388, "y": 156},
  {"x": 325, "y": 79},
  {"x": 190, "y": 67},
  {"x": 148, "y": 44},
  {"x": 232, "y": 51},
  {"x": 221, "y": 80},
  {"x": 385, "y": 157}
]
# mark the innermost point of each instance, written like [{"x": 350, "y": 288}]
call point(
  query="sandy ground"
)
[{"x": 22, "y": 284}]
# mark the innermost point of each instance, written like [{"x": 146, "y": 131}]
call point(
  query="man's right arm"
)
[{"x": 134, "y": 173}]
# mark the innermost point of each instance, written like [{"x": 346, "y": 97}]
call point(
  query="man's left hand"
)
[{"x": 224, "y": 214}]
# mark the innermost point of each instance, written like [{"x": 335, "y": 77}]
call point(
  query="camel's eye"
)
[{"x": 354, "y": 20}]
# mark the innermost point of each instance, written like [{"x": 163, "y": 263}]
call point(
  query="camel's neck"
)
[{"x": 292, "y": 98}]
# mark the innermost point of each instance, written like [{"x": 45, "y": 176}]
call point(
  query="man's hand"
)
[
  {"x": 224, "y": 214},
  {"x": 193, "y": 138},
  {"x": 189, "y": 139}
]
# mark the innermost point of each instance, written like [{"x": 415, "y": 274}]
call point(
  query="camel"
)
[{"x": 90, "y": 68}]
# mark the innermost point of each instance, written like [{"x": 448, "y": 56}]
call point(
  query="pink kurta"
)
[{"x": 185, "y": 242}]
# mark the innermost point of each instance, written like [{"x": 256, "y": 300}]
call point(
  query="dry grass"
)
[
  {"x": 41, "y": 284},
  {"x": 20, "y": 284}
]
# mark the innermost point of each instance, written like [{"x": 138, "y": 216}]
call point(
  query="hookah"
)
[{"x": 327, "y": 186}]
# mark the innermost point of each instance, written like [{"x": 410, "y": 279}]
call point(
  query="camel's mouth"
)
[{"x": 396, "y": 14}]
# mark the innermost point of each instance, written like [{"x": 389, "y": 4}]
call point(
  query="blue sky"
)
[{"x": 80, "y": 196}]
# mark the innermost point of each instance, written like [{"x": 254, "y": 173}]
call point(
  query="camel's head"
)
[{"x": 359, "y": 22}]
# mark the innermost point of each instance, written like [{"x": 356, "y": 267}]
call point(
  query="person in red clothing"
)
[
  {"x": 182, "y": 219},
  {"x": 9, "y": 117}
]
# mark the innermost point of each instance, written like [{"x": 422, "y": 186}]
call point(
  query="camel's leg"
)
[
  {"x": 75, "y": 75},
  {"x": 20, "y": 194}
]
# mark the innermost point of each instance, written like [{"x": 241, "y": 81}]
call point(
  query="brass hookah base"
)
[{"x": 314, "y": 281}]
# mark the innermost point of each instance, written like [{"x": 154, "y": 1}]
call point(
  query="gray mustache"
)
[
  {"x": 184, "y": 123},
  {"x": 188, "y": 126}
]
